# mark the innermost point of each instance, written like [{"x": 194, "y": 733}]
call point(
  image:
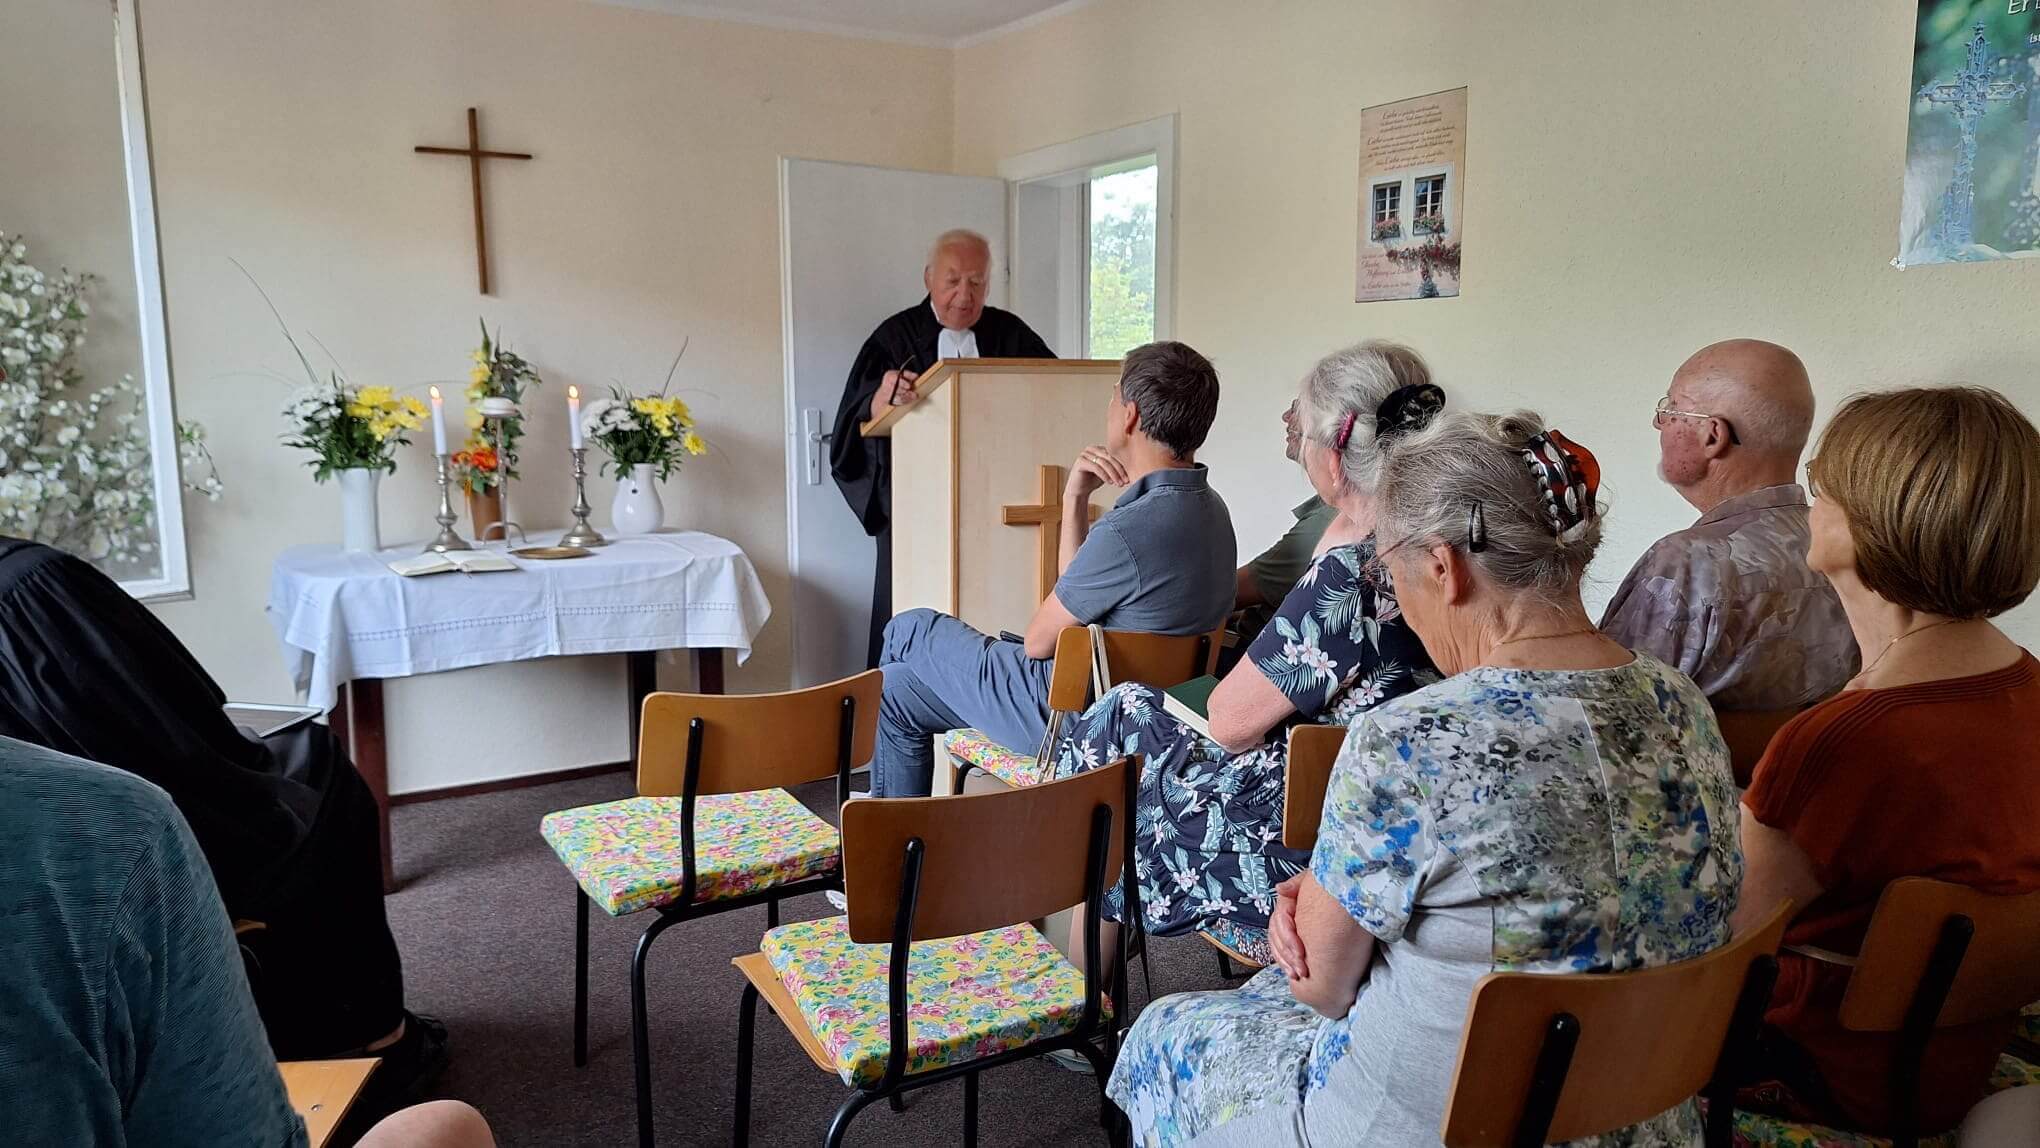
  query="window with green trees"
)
[{"x": 1121, "y": 310}]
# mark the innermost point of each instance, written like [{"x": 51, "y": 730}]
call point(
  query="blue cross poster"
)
[{"x": 1972, "y": 154}]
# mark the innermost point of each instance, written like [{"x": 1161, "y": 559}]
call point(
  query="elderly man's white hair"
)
[{"x": 958, "y": 237}]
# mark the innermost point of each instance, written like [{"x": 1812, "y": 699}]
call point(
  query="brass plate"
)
[{"x": 548, "y": 552}]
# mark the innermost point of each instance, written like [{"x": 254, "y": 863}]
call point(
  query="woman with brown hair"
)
[{"x": 1926, "y": 517}]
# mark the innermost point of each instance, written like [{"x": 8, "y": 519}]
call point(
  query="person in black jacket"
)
[
  {"x": 950, "y": 322},
  {"x": 287, "y": 825}
]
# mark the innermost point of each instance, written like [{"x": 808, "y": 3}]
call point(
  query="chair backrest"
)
[
  {"x": 1313, "y": 750},
  {"x": 1748, "y": 733},
  {"x": 1999, "y": 973},
  {"x": 990, "y": 859},
  {"x": 1647, "y": 1040},
  {"x": 1159, "y": 660},
  {"x": 757, "y": 741}
]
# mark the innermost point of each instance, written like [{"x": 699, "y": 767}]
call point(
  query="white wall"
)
[
  {"x": 283, "y": 135},
  {"x": 1642, "y": 178}
]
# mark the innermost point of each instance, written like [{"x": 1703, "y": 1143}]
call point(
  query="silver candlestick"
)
[
  {"x": 447, "y": 539},
  {"x": 581, "y": 534}
]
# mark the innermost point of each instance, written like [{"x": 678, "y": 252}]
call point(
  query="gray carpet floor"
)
[{"x": 485, "y": 920}]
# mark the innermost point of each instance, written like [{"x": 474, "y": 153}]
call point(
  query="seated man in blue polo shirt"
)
[{"x": 1160, "y": 561}]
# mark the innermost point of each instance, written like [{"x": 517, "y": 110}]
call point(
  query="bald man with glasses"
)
[{"x": 1730, "y": 600}]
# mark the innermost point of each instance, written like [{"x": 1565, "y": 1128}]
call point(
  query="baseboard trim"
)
[{"x": 525, "y": 781}]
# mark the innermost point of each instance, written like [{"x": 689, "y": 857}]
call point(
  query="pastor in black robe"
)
[
  {"x": 287, "y": 825},
  {"x": 863, "y": 467}
]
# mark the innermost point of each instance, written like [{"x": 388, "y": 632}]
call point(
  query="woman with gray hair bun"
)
[
  {"x": 1210, "y": 806},
  {"x": 1558, "y": 805}
]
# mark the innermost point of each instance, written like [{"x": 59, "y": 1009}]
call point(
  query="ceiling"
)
[{"x": 944, "y": 23}]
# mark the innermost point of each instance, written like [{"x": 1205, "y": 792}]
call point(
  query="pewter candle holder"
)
[
  {"x": 581, "y": 534},
  {"x": 446, "y": 539}
]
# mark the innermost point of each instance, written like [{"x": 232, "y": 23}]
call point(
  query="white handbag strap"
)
[{"x": 1101, "y": 668}]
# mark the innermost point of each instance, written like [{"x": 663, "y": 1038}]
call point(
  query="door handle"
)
[{"x": 814, "y": 442}]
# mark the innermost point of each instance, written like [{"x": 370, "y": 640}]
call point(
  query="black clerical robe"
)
[
  {"x": 863, "y": 467},
  {"x": 287, "y": 825}
]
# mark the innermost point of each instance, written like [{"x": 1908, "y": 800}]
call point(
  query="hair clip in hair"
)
[
  {"x": 1345, "y": 432},
  {"x": 1476, "y": 528},
  {"x": 1408, "y": 408},
  {"x": 1568, "y": 477}
]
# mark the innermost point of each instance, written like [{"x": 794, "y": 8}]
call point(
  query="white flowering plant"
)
[
  {"x": 75, "y": 467},
  {"x": 634, "y": 430}
]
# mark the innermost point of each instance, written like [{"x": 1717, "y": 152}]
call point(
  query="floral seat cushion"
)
[
  {"x": 1756, "y": 1130},
  {"x": 2029, "y": 1024},
  {"x": 627, "y": 855},
  {"x": 968, "y": 997},
  {"x": 1243, "y": 941},
  {"x": 1017, "y": 770}
]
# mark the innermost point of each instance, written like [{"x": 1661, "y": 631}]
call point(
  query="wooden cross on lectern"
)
[
  {"x": 475, "y": 156},
  {"x": 1048, "y": 517}
]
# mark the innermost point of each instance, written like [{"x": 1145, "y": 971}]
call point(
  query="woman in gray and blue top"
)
[{"x": 1558, "y": 805}]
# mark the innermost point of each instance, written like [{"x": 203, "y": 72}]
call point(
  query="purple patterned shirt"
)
[{"x": 1730, "y": 602}]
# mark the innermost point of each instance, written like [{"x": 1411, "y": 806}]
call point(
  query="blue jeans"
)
[{"x": 940, "y": 675}]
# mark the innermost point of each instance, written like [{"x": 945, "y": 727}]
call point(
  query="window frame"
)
[
  {"x": 1069, "y": 168},
  {"x": 173, "y": 580}
]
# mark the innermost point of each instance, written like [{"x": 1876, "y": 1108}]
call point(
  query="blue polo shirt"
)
[
  {"x": 1161, "y": 561},
  {"x": 125, "y": 1015}
]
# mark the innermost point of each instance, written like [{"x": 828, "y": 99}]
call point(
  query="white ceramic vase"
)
[
  {"x": 360, "y": 532},
  {"x": 636, "y": 509}
]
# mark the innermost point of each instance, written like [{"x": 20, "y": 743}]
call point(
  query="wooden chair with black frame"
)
[
  {"x": 1159, "y": 660},
  {"x": 1936, "y": 956},
  {"x": 932, "y": 943},
  {"x": 712, "y": 828},
  {"x": 1546, "y": 1058}
]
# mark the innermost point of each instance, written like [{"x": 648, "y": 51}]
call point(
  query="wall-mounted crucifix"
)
[
  {"x": 473, "y": 151},
  {"x": 1047, "y": 516}
]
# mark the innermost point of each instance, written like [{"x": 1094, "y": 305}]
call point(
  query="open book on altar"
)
[{"x": 465, "y": 561}]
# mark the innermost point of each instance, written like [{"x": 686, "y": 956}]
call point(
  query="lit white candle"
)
[
  {"x": 574, "y": 415},
  {"x": 438, "y": 423}
]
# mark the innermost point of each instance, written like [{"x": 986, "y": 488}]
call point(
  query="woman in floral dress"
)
[
  {"x": 1210, "y": 809},
  {"x": 1560, "y": 805}
]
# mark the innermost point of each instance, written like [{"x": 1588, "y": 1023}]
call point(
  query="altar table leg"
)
[
  {"x": 642, "y": 677},
  {"x": 708, "y": 667},
  {"x": 360, "y": 717}
]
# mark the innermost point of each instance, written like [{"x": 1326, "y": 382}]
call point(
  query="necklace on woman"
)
[
  {"x": 1888, "y": 646},
  {"x": 1543, "y": 637}
]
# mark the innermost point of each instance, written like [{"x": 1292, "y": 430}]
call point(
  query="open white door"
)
[{"x": 853, "y": 240}]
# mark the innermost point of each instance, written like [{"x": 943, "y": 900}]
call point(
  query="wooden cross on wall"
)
[
  {"x": 1047, "y": 516},
  {"x": 476, "y": 155}
]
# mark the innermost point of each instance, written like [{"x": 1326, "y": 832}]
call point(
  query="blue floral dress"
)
[
  {"x": 1210, "y": 844},
  {"x": 1532, "y": 821}
]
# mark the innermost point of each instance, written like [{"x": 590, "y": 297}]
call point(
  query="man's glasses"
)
[{"x": 1664, "y": 408}]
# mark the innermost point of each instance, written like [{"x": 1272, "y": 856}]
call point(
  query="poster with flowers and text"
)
[{"x": 1412, "y": 183}]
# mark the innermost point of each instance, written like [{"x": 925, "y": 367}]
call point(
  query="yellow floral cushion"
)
[
  {"x": 1755, "y": 1130},
  {"x": 627, "y": 854},
  {"x": 1017, "y": 770},
  {"x": 967, "y": 997}
]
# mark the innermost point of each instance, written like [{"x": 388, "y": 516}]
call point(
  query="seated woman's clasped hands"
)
[{"x": 1557, "y": 805}]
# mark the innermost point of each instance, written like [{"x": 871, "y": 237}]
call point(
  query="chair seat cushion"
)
[
  {"x": 2029, "y": 1023},
  {"x": 1017, "y": 770},
  {"x": 627, "y": 855},
  {"x": 967, "y": 997},
  {"x": 1756, "y": 1130},
  {"x": 1243, "y": 941}
]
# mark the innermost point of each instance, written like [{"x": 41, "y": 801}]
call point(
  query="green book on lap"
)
[{"x": 1190, "y": 703}]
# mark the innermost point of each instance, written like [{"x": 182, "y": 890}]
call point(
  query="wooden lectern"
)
[{"x": 975, "y": 509}]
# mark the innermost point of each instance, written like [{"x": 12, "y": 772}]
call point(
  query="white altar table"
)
[{"x": 348, "y": 621}]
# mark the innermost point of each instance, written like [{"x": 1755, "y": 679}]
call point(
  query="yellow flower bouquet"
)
[
  {"x": 637, "y": 430},
  {"x": 349, "y": 428}
]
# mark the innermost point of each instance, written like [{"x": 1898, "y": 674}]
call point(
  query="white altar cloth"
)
[{"x": 344, "y": 616}]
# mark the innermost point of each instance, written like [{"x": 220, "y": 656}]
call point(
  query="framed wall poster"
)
[
  {"x": 1972, "y": 149},
  {"x": 1412, "y": 183}
]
